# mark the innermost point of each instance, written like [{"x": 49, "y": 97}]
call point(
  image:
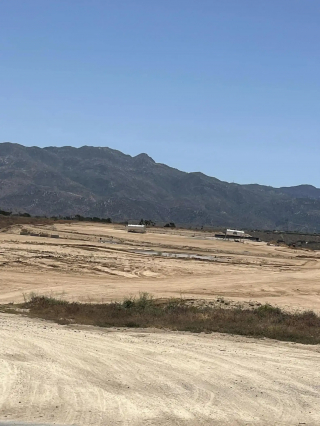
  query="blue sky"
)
[{"x": 230, "y": 88}]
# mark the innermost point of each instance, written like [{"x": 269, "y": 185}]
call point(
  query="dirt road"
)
[{"x": 85, "y": 376}]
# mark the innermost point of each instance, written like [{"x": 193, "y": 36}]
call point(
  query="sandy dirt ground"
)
[
  {"x": 53, "y": 374},
  {"x": 80, "y": 266},
  {"x": 85, "y": 376}
]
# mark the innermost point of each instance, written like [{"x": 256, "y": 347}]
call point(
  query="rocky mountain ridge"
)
[{"x": 103, "y": 182}]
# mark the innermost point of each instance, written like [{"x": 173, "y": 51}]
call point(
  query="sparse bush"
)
[
  {"x": 170, "y": 225},
  {"x": 46, "y": 301},
  {"x": 267, "y": 309},
  {"x": 128, "y": 302},
  {"x": 176, "y": 314},
  {"x": 145, "y": 300},
  {"x": 147, "y": 222},
  {"x": 107, "y": 220}
]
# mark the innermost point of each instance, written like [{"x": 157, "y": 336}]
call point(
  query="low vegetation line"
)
[{"x": 177, "y": 314}]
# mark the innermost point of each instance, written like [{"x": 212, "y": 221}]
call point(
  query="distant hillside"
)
[
  {"x": 103, "y": 182},
  {"x": 302, "y": 191}
]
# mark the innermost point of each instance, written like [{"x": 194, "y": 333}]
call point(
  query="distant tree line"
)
[
  {"x": 152, "y": 223},
  {"x": 80, "y": 218},
  {"x": 170, "y": 225},
  {"x": 6, "y": 213},
  {"x": 76, "y": 217},
  {"x": 90, "y": 219},
  {"x": 147, "y": 222}
]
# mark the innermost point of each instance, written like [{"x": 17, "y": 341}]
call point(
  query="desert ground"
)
[
  {"x": 92, "y": 376},
  {"x": 77, "y": 375},
  {"x": 100, "y": 263}
]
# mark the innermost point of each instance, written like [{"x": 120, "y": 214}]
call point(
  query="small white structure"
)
[
  {"x": 235, "y": 233},
  {"x": 136, "y": 228}
]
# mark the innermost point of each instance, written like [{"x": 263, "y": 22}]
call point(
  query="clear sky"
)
[{"x": 230, "y": 88}]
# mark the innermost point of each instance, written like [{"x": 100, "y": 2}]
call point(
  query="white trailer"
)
[
  {"x": 235, "y": 233},
  {"x": 136, "y": 228}
]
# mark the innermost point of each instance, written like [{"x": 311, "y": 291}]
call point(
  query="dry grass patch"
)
[{"x": 176, "y": 314}]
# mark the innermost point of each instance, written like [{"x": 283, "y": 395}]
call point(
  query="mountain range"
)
[{"x": 103, "y": 182}]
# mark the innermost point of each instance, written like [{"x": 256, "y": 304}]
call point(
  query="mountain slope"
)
[{"x": 103, "y": 182}]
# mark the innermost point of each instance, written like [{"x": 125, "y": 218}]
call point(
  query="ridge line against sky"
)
[
  {"x": 145, "y": 153},
  {"x": 230, "y": 89}
]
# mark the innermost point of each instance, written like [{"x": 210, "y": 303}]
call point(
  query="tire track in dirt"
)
[{"x": 91, "y": 376}]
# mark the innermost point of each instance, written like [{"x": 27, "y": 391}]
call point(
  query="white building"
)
[
  {"x": 235, "y": 233},
  {"x": 136, "y": 228}
]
